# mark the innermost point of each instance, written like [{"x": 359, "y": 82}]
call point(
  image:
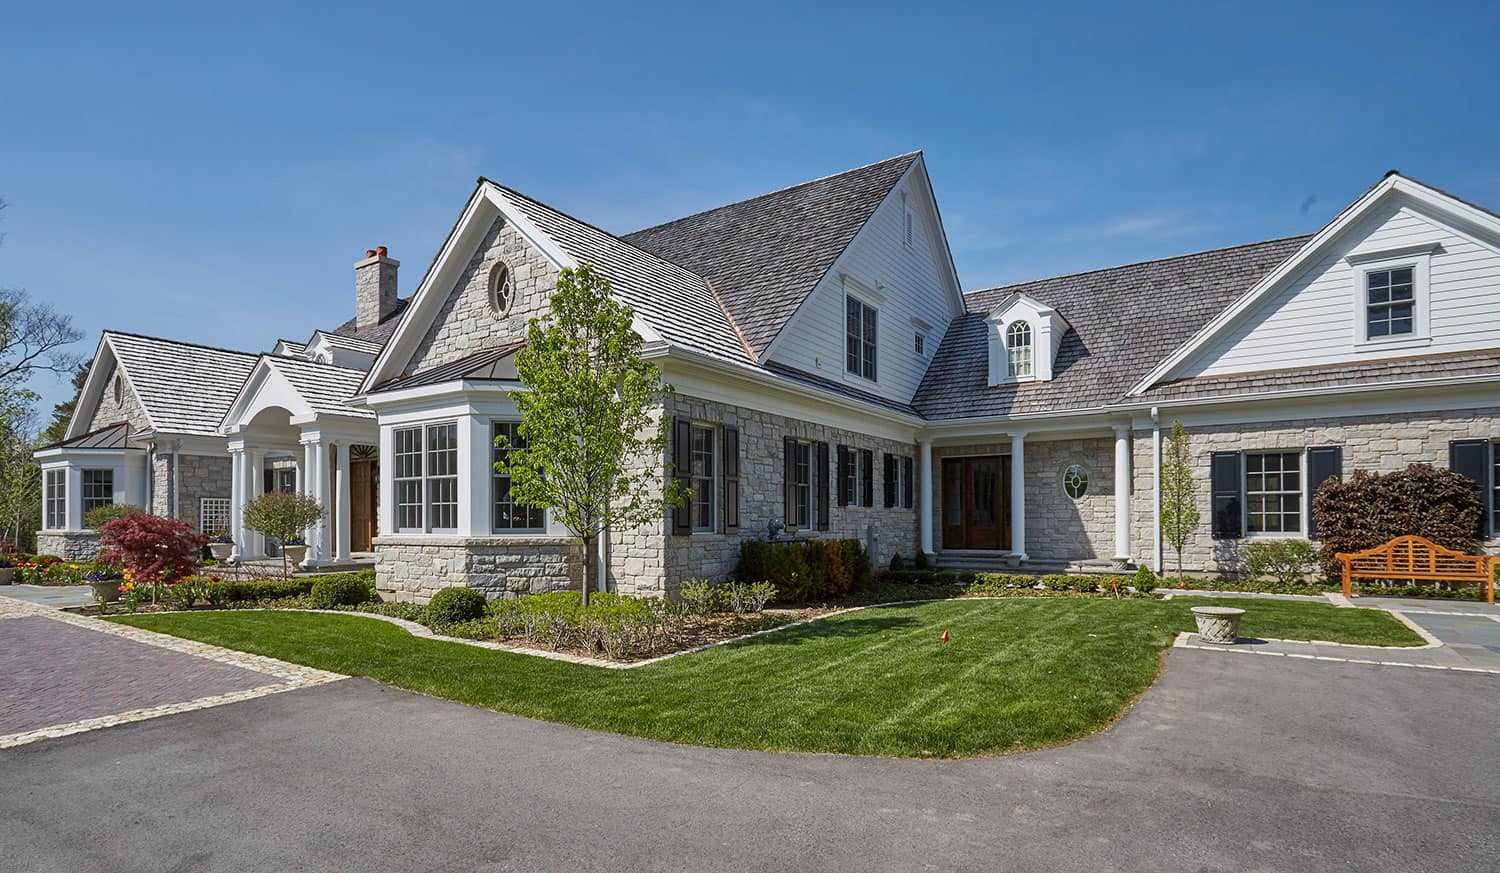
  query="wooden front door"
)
[
  {"x": 362, "y": 498},
  {"x": 976, "y": 502}
]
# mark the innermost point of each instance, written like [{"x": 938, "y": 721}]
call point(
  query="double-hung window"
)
[
  {"x": 510, "y": 515},
  {"x": 426, "y": 466},
  {"x": 98, "y": 489},
  {"x": 1390, "y": 302},
  {"x": 703, "y": 473},
  {"x": 859, "y": 322},
  {"x": 1018, "y": 350},
  {"x": 56, "y": 500},
  {"x": 1273, "y": 492}
]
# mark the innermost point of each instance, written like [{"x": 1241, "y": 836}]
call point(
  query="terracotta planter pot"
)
[
  {"x": 295, "y": 554},
  {"x": 7, "y": 575},
  {"x": 107, "y": 590},
  {"x": 221, "y": 551}
]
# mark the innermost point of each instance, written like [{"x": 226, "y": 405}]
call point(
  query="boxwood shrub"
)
[
  {"x": 456, "y": 605},
  {"x": 805, "y": 570},
  {"x": 333, "y": 590}
]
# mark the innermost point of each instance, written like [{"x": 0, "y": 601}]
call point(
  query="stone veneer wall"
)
[
  {"x": 1058, "y": 528},
  {"x": 467, "y": 322},
  {"x": 109, "y": 412},
  {"x": 1380, "y": 443},
  {"x": 413, "y": 568},
  {"x": 69, "y": 545},
  {"x": 200, "y": 476}
]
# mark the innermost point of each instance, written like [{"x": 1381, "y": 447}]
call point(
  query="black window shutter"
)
[
  {"x": 1323, "y": 463},
  {"x": 789, "y": 478},
  {"x": 270, "y": 482},
  {"x": 822, "y": 486},
  {"x": 888, "y": 460},
  {"x": 867, "y": 477},
  {"x": 730, "y": 464},
  {"x": 846, "y": 494},
  {"x": 1228, "y": 498},
  {"x": 907, "y": 466},
  {"x": 1472, "y": 458},
  {"x": 682, "y": 468}
]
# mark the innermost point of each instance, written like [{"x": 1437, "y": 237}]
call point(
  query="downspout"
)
[
  {"x": 176, "y": 508},
  {"x": 1156, "y": 488}
]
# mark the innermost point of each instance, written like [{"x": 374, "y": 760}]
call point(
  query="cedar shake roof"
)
[
  {"x": 1358, "y": 374},
  {"x": 377, "y": 333},
  {"x": 182, "y": 387},
  {"x": 325, "y": 387},
  {"x": 1124, "y": 321},
  {"x": 763, "y": 256}
]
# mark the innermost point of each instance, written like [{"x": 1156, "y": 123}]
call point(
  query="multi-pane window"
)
[
  {"x": 510, "y": 515},
  {"x": 703, "y": 470},
  {"x": 55, "y": 497},
  {"x": 860, "y": 329},
  {"x": 802, "y": 485},
  {"x": 1018, "y": 349},
  {"x": 442, "y": 476},
  {"x": 407, "y": 463},
  {"x": 921, "y": 344},
  {"x": 1390, "y": 302},
  {"x": 98, "y": 489},
  {"x": 213, "y": 515},
  {"x": 1273, "y": 492}
]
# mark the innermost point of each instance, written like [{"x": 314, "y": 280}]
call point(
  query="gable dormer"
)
[{"x": 1024, "y": 337}]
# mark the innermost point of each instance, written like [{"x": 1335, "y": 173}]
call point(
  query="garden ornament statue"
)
[{"x": 774, "y": 529}]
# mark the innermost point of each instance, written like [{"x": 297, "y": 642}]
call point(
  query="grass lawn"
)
[{"x": 1017, "y": 673}]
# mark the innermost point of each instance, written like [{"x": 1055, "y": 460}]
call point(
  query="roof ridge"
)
[
  {"x": 908, "y": 155},
  {"x": 304, "y": 361},
  {"x": 1013, "y": 285},
  {"x": 162, "y": 339}
]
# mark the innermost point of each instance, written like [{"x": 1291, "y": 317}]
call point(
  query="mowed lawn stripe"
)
[{"x": 1015, "y": 674}]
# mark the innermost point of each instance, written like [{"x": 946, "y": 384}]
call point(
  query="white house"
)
[{"x": 831, "y": 373}]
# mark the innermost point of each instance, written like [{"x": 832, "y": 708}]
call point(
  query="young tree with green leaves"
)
[
  {"x": 592, "y": 437},
  {"x": 284, "y": 516},
  {"x": 1179, "y": 510}
]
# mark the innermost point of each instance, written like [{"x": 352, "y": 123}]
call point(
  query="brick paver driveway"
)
[{"x": 62, "y": 673}]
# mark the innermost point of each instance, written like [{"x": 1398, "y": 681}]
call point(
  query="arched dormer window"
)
[{"x": 1018, "y": 349}]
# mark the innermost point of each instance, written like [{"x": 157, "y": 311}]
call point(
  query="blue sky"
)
[{"x": 211, "y": 174}]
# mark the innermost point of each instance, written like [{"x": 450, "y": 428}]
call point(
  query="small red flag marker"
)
[{"x": 945, "y": 635}]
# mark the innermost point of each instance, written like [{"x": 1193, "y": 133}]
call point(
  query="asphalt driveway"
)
[{"x": 1229, "y": 763}]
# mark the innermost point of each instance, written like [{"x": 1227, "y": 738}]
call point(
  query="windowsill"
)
[
  {"x": 1268, "y": 535},
  {"x": 1401, "y": 342},
  {"x": 520, "y": 532}
]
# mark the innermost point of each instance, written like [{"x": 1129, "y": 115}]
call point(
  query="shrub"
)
[
  {"x": 699, "y": 597},
  {"x": 1285, "y": 561},
  {"x": 221, "y": 593},
  {"x": 154, "y": 549},
  {"x": 99, "y": 516},
  {"x": 548, "y": 619},
  {"x": 857, "y": 564},
  {"x": 897, "y": 565},
  {"x": 1000, "y": 583},
  {"x": 1144, "y": 580},
  {"x": 1371, "y": 508},
  {"x": 921, "y": 560},
  {"x": 456, "y": 605},
  {"x": 748, "y": 597},
  {"x": 283, "y": 515},
  {"x": 805, "y": 571},
  {"x": 333, "y": 590}
]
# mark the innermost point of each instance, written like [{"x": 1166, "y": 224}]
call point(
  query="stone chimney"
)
[{"x": 374, "y": 287}]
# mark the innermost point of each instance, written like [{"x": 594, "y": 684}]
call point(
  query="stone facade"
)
[
  {"x": 468, "y": 322},
  {"x": 69, "y": 545},
  {"x": 374, "y": 290},
  {"x": 413, "y": 568},
  {"x": 200, "y": 476},
  {"x": 1378, "y": 443},
  {"x": 113, "y": 411},
  {"x": 1058, "y": 527}
]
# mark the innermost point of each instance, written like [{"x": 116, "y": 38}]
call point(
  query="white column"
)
[
  {"x": 255, "y": 477},
  {"x": 1122, "y": 492},
  {"x": 341, "y": 553},
  {"x": 317, "y": 547},
  {"x": 1018, "y": 495},
  {"x": 307, "y": 478},
  {"x": 925, "y": 508},
  {"x": 237, "y": 502},
  {"x": 1156, "y": 491}
]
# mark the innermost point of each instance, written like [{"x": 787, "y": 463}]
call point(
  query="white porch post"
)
[
  {"x": 925, "y": 509},
  {"x": 307, "y": 478},
  {"x": 317, "y": 479},
  {"x": 1122, "y": 492},
  {"x": 236, "y": 501},
  {"x": 254, "y": 478},
  {"x": 341, "y": 552},
  {"x": 1018, "y": 495}
]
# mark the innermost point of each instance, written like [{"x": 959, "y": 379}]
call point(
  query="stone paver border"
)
[
  {"x": 291, "y": 676},
  {"x": 1187, "y": 640}
]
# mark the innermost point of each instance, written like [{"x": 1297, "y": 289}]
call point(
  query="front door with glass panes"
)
[{"x": 976, "y": 502}]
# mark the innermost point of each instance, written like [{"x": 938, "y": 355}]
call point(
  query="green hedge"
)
[{"x": 805, "y": 571}]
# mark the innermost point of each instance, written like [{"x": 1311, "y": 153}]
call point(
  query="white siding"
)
[
  {"x": 1313, "y": 319},
  {"x": 903, "y": 283}
]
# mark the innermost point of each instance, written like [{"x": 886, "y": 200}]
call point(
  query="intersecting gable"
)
[
  {"x": 165, "y": 386},
  {"x": 1312, "y": 311}
]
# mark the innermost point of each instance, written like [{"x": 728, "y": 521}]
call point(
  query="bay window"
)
[
  {"x": 509, "y": 515},
  {"x": 425, "y": 461}
]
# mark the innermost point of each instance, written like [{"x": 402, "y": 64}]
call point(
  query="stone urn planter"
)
[
  {"x": 221, "y": 551},
  {"x": 7, "y": 575},
  {"x": 107, "y": 590},
  {"x": 295, "y": 554},
  {"x": 1218, "y": 624}
]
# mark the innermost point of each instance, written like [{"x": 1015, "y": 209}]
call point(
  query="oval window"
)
[
  {"x": 1076, "y": 481},
  {"x": 501, "y": 292}
]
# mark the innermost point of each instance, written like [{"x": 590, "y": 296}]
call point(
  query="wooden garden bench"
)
[{"x": 1413, "y": 557}]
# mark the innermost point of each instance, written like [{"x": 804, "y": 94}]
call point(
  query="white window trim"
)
[
  {"x": 1419, "y": 258},
  {"x": 426, "y": 478},
  {"x": 493, "y": 494},
  {"x": 1304, "y": 504},
  {"x": 715, "y": 448},
  {"x": 1031, "y": 335},
  {"x": 50, "y": 497},
  {"x": 864, "y": 302}
]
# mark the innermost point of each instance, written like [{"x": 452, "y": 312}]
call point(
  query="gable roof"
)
[
  {"x": 183, "y": 388},
  {"x": 1123, "y": 320},
  {"x": 764, "y": 256},
  {"x": 315, "y": 388}
]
